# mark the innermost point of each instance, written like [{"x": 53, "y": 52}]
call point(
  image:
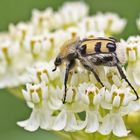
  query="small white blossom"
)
[
  {"x": 43, "y": 20},
  {"x": 37, "y": 97},
  {"x": 120, "y": 102},
  {"x": 73, "y": 12},
  {"x": 42, "y": 72},
  {"x": 8, "y": 69},
  {"x": 132, "y": 46},
  {"x": 70, "y": 13},
  {"x": 66, "y": 119},
  {"x": 20, "y": 31},
  {"x": 91, "y": 96},
  {"x": 110, "y": 23}
]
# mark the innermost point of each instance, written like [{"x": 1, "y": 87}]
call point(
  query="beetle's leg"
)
[
  {"x": 123, "y": 76},
  {"x": 89, "y": 66},
  {"x": 68, "y": 68},
  {"x": 87, "y": 63},
  {"x": 96, "y": 76}
]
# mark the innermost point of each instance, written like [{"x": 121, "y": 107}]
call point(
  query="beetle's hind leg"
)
[
  {"x": 123, "y": 76},
  {"x": 69, "y": 66}
]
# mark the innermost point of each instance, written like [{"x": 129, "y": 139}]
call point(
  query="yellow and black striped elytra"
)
[
  {"x": 98, "y": 45},
  {"x": 91, "y": 52}
]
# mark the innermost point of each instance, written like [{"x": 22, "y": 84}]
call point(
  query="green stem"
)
[
  {"x": 110, "y": 137},
  {"x": 63, "y": 135},
  {"x": 72, "y": 136}
]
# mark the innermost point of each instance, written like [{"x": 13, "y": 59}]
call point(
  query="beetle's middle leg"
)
[
  {"x": 90, "y": 66},
  {"x": 90, "y": 61},
  {"x": 92, "y": 69}
]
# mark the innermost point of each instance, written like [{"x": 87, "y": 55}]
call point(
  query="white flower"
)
[
  {"x": 34, "y": 45},
  {"x": 113, "y": 122},
  {"x": 109, "y": 76},
  {"x": 110, "y": 23},
  {"x": 20, "y": 31},
  {"x": 37, "y": 98},
  {"x": 43, "y": 21},
  {"x": 42, "y": 72},
  {"x": 120, "y": 102},
  {"x": 91, "y": 96},
  {"x": 66, "y": 119},
  {"x": 72, "y": 12},
  {"x": 132, "y": 46},
  {"x": 5, "y": 51},
  {"x": 69, "y": 14},
  {"x": 40, "y": 117},
  {"x": 8, "y": 74}
]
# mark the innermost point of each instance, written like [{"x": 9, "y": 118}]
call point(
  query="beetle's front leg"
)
[{"x": 69, "y": 66}]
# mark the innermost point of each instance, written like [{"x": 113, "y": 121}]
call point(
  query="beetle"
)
[{"x": 91, "y": 52}]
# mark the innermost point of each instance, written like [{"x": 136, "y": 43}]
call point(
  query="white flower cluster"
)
[
  {"x": 68, "y": 15},
  {"x": 103, "y": 109},
  {"x": 132, "y": 45},
  {"x": 33, "y": 46},
  {"x": 40, "y": 39},
  {"x": 109, "y": 23}
]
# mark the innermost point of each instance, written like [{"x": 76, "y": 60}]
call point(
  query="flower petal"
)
[
  {"x": 60, "y": 121},
  {"x": 133, "y": 106},
  {"x": 23, "y": 123},
  {"x": 26, "y": 95},
  {"x": 73, "y": 124},
  {"x": 35, "y": 97},
  {"x": 92, "y": 121},
  {"x": 46, "y": 120},
  {"x": 106, "y": 126},
  {"x": 116, "y": 101},
  {"x": 119, "y": 126},
  {"x": 32, "y": 123}
]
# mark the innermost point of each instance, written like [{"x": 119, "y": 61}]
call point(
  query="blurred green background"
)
[{"x": 13, "y": 11}]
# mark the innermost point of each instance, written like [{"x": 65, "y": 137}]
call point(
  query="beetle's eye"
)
[
  {"x": 111, "y": 47},
  {"x": 58, "y": 61}
]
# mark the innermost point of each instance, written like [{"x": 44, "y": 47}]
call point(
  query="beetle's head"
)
[
  {"x": 67, "y": 51},
  {"x": 57, "y": 62}
]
